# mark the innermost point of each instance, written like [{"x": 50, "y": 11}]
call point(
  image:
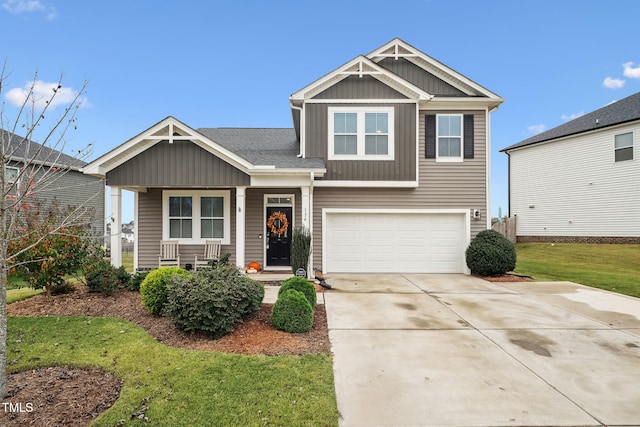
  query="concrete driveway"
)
[{"x": 454, "y": 350}]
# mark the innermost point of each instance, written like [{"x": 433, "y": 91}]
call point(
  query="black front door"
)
[{"x": 278, "y": 236}]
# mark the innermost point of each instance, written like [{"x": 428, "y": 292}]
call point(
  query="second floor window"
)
[
  {"x": 449, "y": 131},
  {"x": 623, "y": 149},
  {"x": 364, "y": 133}
]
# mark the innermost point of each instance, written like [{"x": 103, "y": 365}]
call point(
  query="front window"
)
[
  {"x": 624, "y": 147},
  {"x": 193, "y": 216},
  {"x": 180, "y": 217},
  {"x": 449, "y": 131},
  {"x": 212, "y": 217},
  {"x": 364, "y": 133}
]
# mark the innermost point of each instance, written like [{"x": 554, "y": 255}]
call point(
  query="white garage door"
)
[{"x": 395, "y": 243}]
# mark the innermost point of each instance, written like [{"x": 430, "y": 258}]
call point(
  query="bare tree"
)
[{"x": 30, "y": 170}]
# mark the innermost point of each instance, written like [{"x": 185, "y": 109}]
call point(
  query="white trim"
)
[
  {"x": 196, "y": 194},
  {"x": 136, "y": 233},
  {"x": 361, "y": 101},
  {"x": 265, "y": 205},
  {"x": 17, "y": 169},
  {"x": 241, "y": 197},
  {"x": 360, "y": 129},
  {"x": 632, "y": 146},
  {"x": 488, "y": 167},
  {"x": 366, "y": 184},
  {"x": 450, "y": 159},
  {"x": 326, "y": 211},
  {"x": 116, "y": 226}
]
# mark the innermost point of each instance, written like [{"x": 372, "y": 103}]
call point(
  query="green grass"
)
[
  {"x": 14, "y": 295},
  {"x": 612, "y": 267},
  {"x": 184, "y": 387},
  {"x": 127, "y": 261}
]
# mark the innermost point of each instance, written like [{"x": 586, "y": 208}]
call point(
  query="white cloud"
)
[
  {"x": 612, "y": 83},
  {"x": 567, "y": 117},
  {"x": 42, "y": 92},
  {"x": 535, "y": 129},
  {"x": 629, "y": 71},
  {"x": 29, "y": 6}
]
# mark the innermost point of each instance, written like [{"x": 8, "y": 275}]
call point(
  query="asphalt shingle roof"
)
[
  {"x": 625, "y": 110},
  {"x": 263, "y": 146},
  {"x": 20, "y": 151}
]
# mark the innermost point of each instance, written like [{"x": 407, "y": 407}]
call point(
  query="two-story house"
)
[
  {"x": 387, "y": 164},
  {"x": 58, "y": 177},
  {"x": 578, "y": 182}
]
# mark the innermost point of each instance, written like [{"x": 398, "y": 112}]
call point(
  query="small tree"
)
[
  {"x": 41, "y": 167},
  {"x": 57, "y": 254},
  {"x": 300, "y": 249}
]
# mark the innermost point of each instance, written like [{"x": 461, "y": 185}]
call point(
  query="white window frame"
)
[
  {"x": 360, "y": 151},
  {"x": 632, "y": 146},
  {"x": 450, "y": 158},
  {"x": 195, "y": 214},
  {"x": 7, "y": 168}
]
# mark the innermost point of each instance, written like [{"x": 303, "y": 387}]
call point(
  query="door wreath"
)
[{"x": 278, "y": 223}]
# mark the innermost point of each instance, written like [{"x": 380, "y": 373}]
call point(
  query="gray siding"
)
[
  {"x": 365, "y": 87},
  {"x": 442, "y": 186},
  {"x": 150, "y": 231},
  {"x": 419, "y": 77},
  {"x": 403, "y": 168},
  {"x": 74, "y": 189},
  {"x": 182, "y": 163}
]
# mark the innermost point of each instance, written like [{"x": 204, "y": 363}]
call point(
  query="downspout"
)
[
  {"x": 310, "y": 272},
  {"x": 302, "y": 148}
]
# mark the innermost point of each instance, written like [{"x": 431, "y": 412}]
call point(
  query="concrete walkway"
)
[{"x": 454, "y": 350}]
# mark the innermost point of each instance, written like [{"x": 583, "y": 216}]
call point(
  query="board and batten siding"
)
[
  {"x": 150, "y": 231},
  {"x": 441, "y": 186},
  {"x": 402, "y": 168},
  {"x": 573, "y": 187},
  {"x": 419, "y": 77},
  {"x": 181, "y": 163}
]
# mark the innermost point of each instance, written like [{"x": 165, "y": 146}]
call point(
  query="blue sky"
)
[{"x": 234, "y": 63}]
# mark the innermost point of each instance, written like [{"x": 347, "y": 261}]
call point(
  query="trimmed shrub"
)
[
  {"x": 153, "y": 289},
  {"x": 135, "y": 280},
  {"x": 292, "y": 312},
  {"x": 212, "y": 300},
  {"x": 300, "y": 284},
  {"x": 103, "y": 277},
  {"x": 490, "y": 254}
]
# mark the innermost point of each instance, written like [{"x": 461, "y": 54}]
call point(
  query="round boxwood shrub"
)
[
  {"x": 302, "y": 285},
  {"x": 490, "y": 254},
  {"x": 153, "y": 289},
  {"x": 292, "y": 312},
  {"x": 212, "y": 300}
]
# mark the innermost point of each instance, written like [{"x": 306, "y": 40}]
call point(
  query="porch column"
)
[
  {"x": 307, "y": 220},
  {"x": 116, "y": 226},
  {"x": 240, "y": 225}
]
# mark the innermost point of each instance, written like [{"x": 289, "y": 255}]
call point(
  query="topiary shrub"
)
[
  {"x": 490, "y": 254},
  {"x": 212, "y": 300},
  {"x": 292, "y": 312},
  {"x": 302, "y": 285},
  {"x": 153, "y": 289},
  {"x": 300, "y": 249}
]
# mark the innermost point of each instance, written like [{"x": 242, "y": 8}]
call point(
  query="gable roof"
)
[
  {"x": 21, "y": 149},
  {"x": 618, "y": 112}
]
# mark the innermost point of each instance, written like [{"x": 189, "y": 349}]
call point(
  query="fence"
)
[{"x": 507, "y": 227}]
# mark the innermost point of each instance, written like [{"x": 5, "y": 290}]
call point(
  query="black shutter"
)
[
  {"x": 430, "y": 136},
  {"x": 468, "y": 136}
]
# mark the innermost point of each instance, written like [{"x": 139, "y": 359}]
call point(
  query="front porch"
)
[{"x": 241, "y": 221}]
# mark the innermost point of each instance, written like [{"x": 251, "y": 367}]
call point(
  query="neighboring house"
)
[
  {"x": 578, "y": 182},
  {"x": 71, "y": 188},
  {"x": 127, "y": 232},
  {"x": 386, "y": 164}
]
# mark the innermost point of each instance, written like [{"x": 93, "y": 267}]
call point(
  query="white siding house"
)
[{"x": 579, "y": 182}]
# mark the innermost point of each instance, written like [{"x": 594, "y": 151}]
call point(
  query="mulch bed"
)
[{"x": 64, "y": 396}]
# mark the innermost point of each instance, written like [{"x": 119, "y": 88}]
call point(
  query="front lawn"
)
[
  {"x": 19, "y": 294},
  {"x": 612, "y": 267},
  {"x": 182, "y": 387}
]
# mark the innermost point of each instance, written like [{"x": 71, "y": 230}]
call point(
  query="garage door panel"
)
[{"x": 402, "y": 242}]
